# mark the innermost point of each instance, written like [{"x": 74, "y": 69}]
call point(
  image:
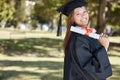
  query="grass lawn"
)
[{"x": 39, "y": 56}]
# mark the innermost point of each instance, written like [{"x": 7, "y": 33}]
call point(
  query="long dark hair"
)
[{"x": 70, "y": 22}]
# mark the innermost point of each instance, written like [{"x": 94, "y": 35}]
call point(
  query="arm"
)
[{"x": 96, "y": 62}]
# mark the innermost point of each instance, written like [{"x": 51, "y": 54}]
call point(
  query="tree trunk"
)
[{"x": 101, "y": 20}]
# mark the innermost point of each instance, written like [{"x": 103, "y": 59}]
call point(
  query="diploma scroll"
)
[{"x": 83, "y": 32}]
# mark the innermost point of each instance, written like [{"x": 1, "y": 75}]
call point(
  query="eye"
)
[{"x": 78, "y": 14}]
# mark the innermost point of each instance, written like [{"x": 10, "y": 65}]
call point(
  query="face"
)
[{"x": 81, "y": 16}]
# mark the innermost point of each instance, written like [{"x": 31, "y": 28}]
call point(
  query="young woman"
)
[{"x": 85, "y": 58}]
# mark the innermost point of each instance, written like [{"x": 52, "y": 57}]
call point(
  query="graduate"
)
[{"x": 85, "y": 54}]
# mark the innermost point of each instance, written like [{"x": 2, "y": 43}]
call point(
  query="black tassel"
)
[{"x": 59, "y": 29}]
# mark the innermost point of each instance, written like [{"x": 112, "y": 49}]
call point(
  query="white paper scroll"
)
[{"x": 80, "y": 31}]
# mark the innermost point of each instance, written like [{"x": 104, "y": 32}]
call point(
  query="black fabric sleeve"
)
[
  {"x": 82, "y": 51},
  {"x": 96, "y": 62}
]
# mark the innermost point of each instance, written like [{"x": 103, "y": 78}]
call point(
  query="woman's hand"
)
[{"x": 104, "y": 41}]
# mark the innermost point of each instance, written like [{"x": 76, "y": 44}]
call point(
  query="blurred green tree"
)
[
  {"x": 20, "y": 14},
  {"x": 6, "y": 10},
  {"x": 104, "y": 12},
  {"x": 114, "y": 12},
  {"x": 45, "y": 10}
]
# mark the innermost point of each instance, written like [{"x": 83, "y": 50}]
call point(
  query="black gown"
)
[{"x": 85, "y": 59}]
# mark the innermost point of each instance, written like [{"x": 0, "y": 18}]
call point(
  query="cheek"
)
[{"x": 77, "y": 19}]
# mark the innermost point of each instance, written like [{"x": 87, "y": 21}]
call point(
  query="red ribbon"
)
[{"x": 88, "y": 30}]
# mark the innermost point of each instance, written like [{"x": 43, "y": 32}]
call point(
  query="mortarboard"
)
[{"x": 66, "y": 9}]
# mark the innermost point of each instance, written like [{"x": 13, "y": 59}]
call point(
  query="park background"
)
[{"x": 29, "y": 47}]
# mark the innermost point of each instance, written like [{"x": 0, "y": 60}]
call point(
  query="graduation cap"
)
[{"x": 66, "y": 9}]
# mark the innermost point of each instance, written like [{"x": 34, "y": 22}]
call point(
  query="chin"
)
[{"x": 85, "y": 24}]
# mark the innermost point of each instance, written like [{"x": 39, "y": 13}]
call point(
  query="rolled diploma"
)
[{"x": 80, "y": 31}]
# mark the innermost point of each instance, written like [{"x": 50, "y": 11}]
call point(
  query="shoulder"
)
[
  {"x": 82, "y": 38},
  {"x": 91, "y": 43}
]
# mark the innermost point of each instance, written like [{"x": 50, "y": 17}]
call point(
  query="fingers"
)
[
  {"x": 103, "y": 35},
  {"x": 104, "y": 40}
]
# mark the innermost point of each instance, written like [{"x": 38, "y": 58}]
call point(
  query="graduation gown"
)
[{"x": 85, "y": 59}]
